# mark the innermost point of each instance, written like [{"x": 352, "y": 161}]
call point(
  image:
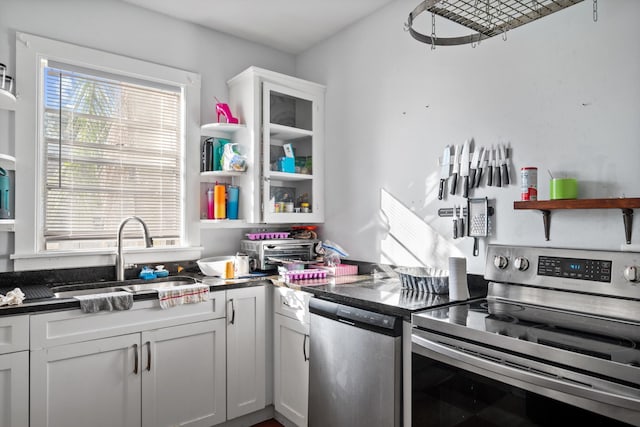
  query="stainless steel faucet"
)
[{"x": 119, "y": 257}]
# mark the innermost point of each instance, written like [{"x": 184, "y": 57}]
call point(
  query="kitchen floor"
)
[{"x": 268, "y": 423}]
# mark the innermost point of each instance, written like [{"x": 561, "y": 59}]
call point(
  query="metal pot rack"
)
[{"x": 486, "y": 18}]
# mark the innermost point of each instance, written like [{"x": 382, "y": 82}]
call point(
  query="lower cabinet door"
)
[
  {"x": 92, "y": 383},
  {"x": 246, "y": 351},
  {"x": 291, "y": 370},
  {"x": 14, "y": 389},
  {"x": 183, "y": 375}
]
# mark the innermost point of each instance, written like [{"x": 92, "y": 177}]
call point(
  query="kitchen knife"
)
[
  {"x": 444, "y": 171},
  {"x": 503, "y": 166},
  {"x": 484, "y": 163},
  {"x": 474, "y": 165},
  {"x": 456, "y": 168},
  {"x": 496, "y": 168},
  {"x": 455, "y": 222},
  {"x": 492, "y": 163},
  {"x": 464, "y": 169}
]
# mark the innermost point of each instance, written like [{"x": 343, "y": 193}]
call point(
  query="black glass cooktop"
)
[{"x": 594, "y": 336}]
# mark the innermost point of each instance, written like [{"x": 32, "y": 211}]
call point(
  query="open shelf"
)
[
  {"x": 627, "y": 205},
  {"x": 287, "y": 133},
  {"x": 7, "y": 100},
  {"x": 218, "y": 174},
  {"x": 7, "y": 162},
  {"x": 7, "y": 224},
  {"x": 215, "y": 129},
  {"x": 223, "y": 223}
]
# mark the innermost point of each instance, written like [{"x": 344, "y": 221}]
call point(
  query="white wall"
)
[
  {"x": 564, "y": 91},
  {"x": 121, "y": 28}
]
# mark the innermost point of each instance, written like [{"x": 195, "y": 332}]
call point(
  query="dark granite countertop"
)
[{"x": 378, "y": 288}]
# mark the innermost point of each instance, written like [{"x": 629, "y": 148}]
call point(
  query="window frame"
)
[{"x": 29, "y": 251}]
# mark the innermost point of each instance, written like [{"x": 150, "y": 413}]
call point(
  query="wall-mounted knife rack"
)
[{"x": 448, "y": 212}]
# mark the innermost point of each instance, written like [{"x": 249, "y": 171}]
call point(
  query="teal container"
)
[
  {"x": 5, "y": 194},
  {"x": 232, "y": 202}
]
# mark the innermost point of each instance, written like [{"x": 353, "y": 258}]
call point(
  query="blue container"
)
[
  {"x": 5, "y": 194},
  {"x": 232, "y": 202},
  {"x": 287, "y": 164}
]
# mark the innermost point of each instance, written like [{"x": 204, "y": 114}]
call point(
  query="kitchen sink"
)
[
  {"x": 152, "y": 286},
  {"x": 87, "y": 291},
  {"x": 107, "y": 287}
]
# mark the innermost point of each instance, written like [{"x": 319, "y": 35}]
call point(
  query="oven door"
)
[{"x": 475, "y": 385}]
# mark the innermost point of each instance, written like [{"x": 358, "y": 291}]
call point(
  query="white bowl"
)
[{"x": 215, "y": 266}]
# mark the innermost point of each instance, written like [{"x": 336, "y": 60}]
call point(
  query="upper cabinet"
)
[{"x": 284, "y": 144}]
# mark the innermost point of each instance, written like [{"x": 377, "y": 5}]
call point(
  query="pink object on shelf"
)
[
  {"x": 265, "y": 236},
  {"x": 339, "y": 270},
  {"x": 311, "y": 273}
]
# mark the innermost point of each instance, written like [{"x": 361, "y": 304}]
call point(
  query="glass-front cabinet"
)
[{"x": 284, "y": 143}]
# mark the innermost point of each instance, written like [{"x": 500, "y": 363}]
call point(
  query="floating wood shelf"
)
[{"x": 627, "y": 205}]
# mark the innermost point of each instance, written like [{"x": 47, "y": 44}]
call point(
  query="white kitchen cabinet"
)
[
  {"x": 14, "y": 371},
  {"x": 278, "y": 110},
  {"x": 291, "y": 354},
  {"x": 93, "y": 383},
  {"x": 162, "y": 367},
  {"x": 183, "y": 375},
  {"x": 246, "y": 351}
]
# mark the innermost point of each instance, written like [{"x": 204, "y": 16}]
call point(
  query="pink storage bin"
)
[
  {"x": 339, "y": 270},
  {"x": 270, "y": 235},
  {"x": 310, "y": 273}
]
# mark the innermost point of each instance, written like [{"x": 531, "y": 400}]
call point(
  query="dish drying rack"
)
[{"x": 486, "y": 18}]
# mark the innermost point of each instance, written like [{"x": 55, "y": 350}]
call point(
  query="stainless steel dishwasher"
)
[{"x": 354, "y": 367}]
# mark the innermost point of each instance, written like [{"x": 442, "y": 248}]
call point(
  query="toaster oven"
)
[{"x": 266, "y": 253}]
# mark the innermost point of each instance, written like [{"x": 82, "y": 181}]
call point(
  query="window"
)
[
  {"x": 99, "y": 137},
  {"x": 113, "y": 148}
]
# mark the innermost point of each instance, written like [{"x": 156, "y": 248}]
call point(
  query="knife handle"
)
[
  {"x": 465, "y": 186},
  {"x": 441, "y": 189},
  {"x": 490, "y": 176},
  {"x": 461, "y": 226},
  {"x": 505, "y": 175},
  {"x": 496, "y": 171},
  {"x": 478, "y": 177},
  {"x": 455, "y": 228},
  {"x": 472, "y": 178},
  {"x": 454, "y": 183}
]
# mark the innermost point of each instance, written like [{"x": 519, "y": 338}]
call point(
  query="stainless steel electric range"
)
[{"x": 555, "y": 342}]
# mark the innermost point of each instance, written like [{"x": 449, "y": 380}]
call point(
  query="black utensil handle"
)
[
  {"x": 455, "y": 228},
  {"x": 472, "y": 178},
  {"x": 478, "y": 177},
  {"x": 454, "y": 183},
  {"x": 465, "y": 186},
  {"x": 476, "y": 251},
  {"x": 490, "y": 176},
  {"x": 496, "y": 172},
  {"x": 441, "y": 189},
  {"x": 505, "y": 175}
]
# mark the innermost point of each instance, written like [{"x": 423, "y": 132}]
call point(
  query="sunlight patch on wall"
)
[{"x": 409, "y": 240}]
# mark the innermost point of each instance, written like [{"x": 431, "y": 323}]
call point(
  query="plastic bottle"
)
[
  {"x": 220, "y": 195},
  {"x": 232, "y": 202},
  {"x": 210, "y": 203}
]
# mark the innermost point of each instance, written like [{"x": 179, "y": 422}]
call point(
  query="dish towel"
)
[
  {"x": 185, "y": 294},
  {"x": 108, "y": 301},
  {"x": 13, "y": 297}
]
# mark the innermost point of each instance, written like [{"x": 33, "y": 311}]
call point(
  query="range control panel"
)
[
  {"x": 575, "y": 268},
  {"x": 614, "y": 273}
]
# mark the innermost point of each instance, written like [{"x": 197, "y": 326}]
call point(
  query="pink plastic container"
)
[
  {"x": 266, "y": 236},
  {"x": 310, "y": 273}
]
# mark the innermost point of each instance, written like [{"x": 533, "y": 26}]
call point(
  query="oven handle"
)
[{"x": 520, "y": 374}]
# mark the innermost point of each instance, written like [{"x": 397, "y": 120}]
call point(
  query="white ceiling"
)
[{"x": 288, "y": 25}]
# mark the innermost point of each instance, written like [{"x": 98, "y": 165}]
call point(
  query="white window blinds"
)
[{"x": 113, "y": 149}]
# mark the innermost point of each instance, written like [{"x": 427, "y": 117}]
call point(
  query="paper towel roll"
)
[{"x": 458, "y": 288}]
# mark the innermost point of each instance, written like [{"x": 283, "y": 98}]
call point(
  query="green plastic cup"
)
[{"x": 563, "y": 188}]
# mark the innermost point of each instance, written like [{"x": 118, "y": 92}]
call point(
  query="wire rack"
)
[{"x": 486, "y": 18}]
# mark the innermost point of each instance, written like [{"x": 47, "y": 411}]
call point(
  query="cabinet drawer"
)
[
  {"x": 14, "y": 333},
  {"x": 292, "y": 303},
  {"x": 65, "y": 327}
]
